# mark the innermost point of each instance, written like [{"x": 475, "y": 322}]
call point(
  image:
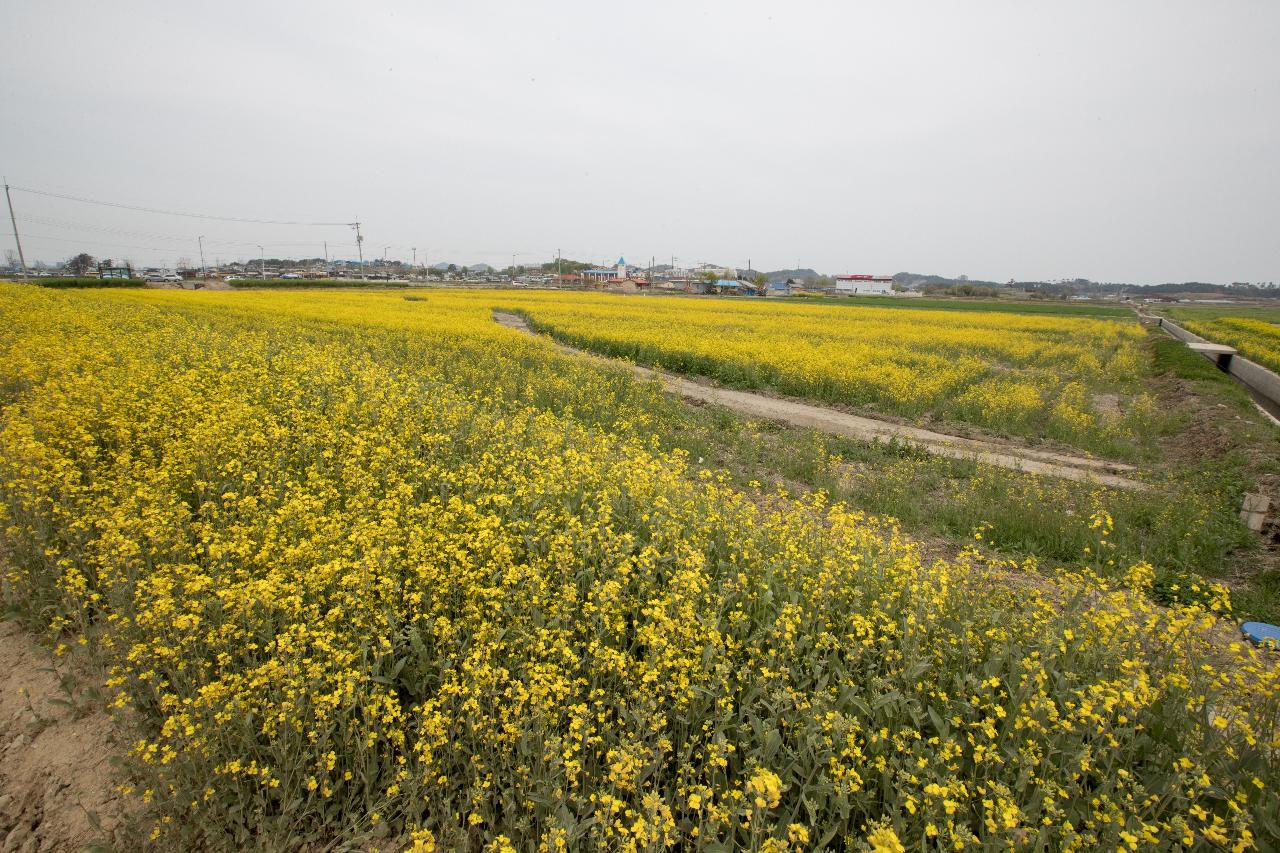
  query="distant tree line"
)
[
  {"x": 967, "y": 289},
  {"x": 1084, "y": 287}
]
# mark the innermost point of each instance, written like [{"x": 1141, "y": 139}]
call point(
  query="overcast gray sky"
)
[{"x": 1118, "y": 141}]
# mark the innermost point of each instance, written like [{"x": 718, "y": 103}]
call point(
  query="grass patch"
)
[
  {"x": 1185, "y": 526},
  {"x": 962, "y": 304},
  {"x": 1270, "y": 314}
]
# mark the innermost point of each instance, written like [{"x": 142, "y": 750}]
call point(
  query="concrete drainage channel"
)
[
  {"x": 1013, "y": 457},
  {"x": 1263, "y": 385}
]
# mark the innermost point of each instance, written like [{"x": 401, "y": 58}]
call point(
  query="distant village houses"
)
[{"x": 600, "y": 275}]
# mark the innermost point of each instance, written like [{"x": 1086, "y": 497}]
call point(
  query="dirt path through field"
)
[
  {"x": 56, "y": 779},
  {"x": 1014, "y": 457}
]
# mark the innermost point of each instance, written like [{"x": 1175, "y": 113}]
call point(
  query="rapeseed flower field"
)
[
  {"x": 373, "y": 571},
  {"x": 1038, "y": 375},
  {"x": 1256, "y": 337}
]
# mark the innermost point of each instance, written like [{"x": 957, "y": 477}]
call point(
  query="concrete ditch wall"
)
[
  {"x": 1257, "y": 377},
  {"x": 1179, "y": 332}
]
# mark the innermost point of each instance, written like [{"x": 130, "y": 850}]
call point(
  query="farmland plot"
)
[
  {"x": 1069, "y": 378},
  {"x": 378, "y": 571},
  {"x": 1254, "y": 332}
]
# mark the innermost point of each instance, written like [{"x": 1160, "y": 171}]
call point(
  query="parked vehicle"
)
[{"x": 164, "y": 277}]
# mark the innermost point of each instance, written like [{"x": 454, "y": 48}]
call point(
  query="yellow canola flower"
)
[
  {"x": 1018, "y": 373},
  {"x": 399, "y": 571},
  {"x": 884, "y": 840}
]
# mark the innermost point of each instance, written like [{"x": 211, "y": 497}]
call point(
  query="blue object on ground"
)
[{"x": 1261, "y": 632}]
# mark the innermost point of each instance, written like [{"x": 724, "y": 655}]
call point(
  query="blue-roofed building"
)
[
  {"x": 733, "y": 287},
  {"x": 604, "y": 274}
]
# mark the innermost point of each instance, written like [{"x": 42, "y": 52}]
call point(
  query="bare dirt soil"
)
[
  {"x": 1002, "y": 454},
  {"x": 57, "y": 786}
]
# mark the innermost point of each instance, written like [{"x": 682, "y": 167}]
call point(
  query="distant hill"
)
[
  {"x": 782, "y": 275},
  {"x": 918, "y": 280},
  {"x": 1084, "y": 287},
  {"x": 444, "y": 266}
]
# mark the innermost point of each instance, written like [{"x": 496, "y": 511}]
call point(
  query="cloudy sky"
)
[{"x": 1131, "y": 141}]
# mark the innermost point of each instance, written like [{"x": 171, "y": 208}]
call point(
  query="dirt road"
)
[
  {"x": 56, "y": 790},
  {"x": 1004, "y": 455}
]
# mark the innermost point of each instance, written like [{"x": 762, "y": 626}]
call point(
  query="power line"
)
[
  {"x": 107, "y": 243},
  {"x": 172, "y": 212},
  {"x": 80, "y": 226},
  {"x": 112, "y": 244},
  {"x": 149, "y": 235}
]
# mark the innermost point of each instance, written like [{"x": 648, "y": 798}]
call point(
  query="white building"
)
[
  {"x": 601, "y": 274},
  {"x": 864, "y": 284}
]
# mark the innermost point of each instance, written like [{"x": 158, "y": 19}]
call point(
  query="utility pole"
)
[
  {"x": 415, "y": 256},
  {"x": 14, "y": 221},
  {"x": 202, "y": 270},
  {"x": 326, "y": 253},
  {"x": 262, "y": 263},
  {"x": 559, "y": 275},
  {"x": 359, "y": 241}
]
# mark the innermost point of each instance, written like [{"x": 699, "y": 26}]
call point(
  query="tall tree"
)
[{"x": 80, "y": 264}]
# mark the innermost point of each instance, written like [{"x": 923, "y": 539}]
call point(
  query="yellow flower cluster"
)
[
  {"x": 1255, "y": 338},
  {"x": 367, "y": 569},
  {"x": 1026, "y": 374}
]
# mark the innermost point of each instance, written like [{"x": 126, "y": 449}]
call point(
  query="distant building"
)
[
  {"x": 673, "y": 283},
  {"x": 863, "y": 284},
  {"x": 625, "y": 285},
  {"x": 617, "y": 272}
]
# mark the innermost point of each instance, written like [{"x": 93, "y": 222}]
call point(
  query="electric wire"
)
[
  {"x": 162, "y": 212},
  {"x": 114, "y": 245}
]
